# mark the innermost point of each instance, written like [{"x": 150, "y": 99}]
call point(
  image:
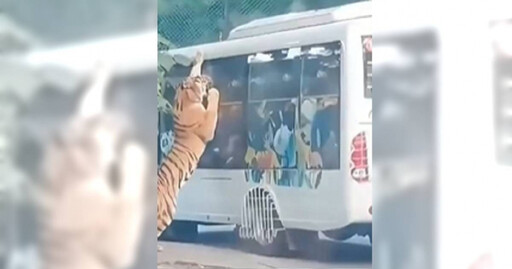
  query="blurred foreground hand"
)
[{"x": 92, "y": 191}]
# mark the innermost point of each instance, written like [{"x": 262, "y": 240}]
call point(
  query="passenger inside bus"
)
[{"x": 323, "y": 135}]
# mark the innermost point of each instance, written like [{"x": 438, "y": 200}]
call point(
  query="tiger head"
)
[{"x": 194, "y": 90}]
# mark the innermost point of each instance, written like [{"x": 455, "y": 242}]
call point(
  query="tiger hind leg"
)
[
  {"x": 166, "y": 206},
  {"x": 167, "y": 194}
]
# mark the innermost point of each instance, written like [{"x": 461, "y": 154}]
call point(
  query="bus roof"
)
[{"x": 293, "y": 21}]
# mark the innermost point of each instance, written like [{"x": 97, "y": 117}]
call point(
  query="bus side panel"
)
[
  {"x": 358, "y": 125},
  {"x": 213, "y": 196},
  {"x": 320, "y": 209}
]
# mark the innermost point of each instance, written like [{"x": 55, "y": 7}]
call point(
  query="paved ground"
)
[{"x": 219, "y": 250}]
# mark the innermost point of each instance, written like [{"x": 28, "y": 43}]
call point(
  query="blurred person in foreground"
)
[
  {"x": 92, "y": 189},
  {"x": 18, "y": 226}
]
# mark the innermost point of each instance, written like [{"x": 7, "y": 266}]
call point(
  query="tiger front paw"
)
[
  {"x": 199, "y": 59},
  {"x": 213, "y": 96}
]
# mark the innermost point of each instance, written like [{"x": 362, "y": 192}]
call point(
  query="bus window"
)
[
  {"x": 271, "y": 138},
  {"x": 319, "y": 131},
  {"x": 321, "y": 73},
  {"x": 319, "y": 136},
  {"x": 275, "y": 79},
  {"x": 274, "y": 76},
  {"x": 227, "y": 149},
  {"x": 229, "y": 77},
  {"x": 367, "y": 60}
]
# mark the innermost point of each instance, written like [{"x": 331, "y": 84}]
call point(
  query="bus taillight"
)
[{"x": 359, "y": 158}]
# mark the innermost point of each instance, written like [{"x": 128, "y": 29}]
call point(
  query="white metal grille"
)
[{"x": 260, "y": 218}]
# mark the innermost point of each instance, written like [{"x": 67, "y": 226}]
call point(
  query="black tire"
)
[
  {"x": 180, "y": 231},
  {"x": 362, "y": 229},
  {"x": 302, "y": 240},
  {"x": 278, "y": 247},
  {"x": 339, "y": 235}
]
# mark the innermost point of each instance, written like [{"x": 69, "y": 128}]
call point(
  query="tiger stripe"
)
[{"x": 192, "y": 133}]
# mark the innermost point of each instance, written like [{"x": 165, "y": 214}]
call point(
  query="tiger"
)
[{"x": 195, "y": 112}]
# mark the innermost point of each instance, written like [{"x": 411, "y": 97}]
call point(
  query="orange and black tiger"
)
[{"x": 195, "y": 112}]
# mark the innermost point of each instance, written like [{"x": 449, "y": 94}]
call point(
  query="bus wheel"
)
[
  {"x": 302, "y": 240},
  {"x": 180, "y": 231}
]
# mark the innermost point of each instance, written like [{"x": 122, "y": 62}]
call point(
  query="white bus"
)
[{"x": 292, "y": 150}]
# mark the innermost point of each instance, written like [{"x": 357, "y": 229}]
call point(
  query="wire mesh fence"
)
[{"x": 186, "y": 22}]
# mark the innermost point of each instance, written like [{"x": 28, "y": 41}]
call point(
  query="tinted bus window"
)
[
  {"x": 319, "y": 121},
  {"x": 271, "y": 134},
  {"x": 274, "y": 75},
  {"x": 227, "y": 149},
  {"x": 275, "y": 79},
  {"x": 321, "y": 73},
  {"x": 229, "y": 77}
]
